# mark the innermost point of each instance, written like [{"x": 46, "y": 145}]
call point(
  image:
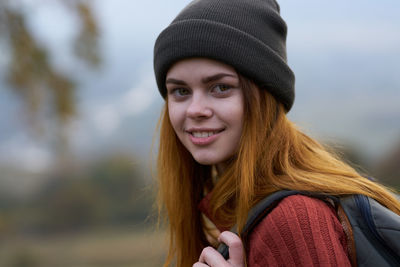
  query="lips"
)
[{"x": 203, "y": 136}]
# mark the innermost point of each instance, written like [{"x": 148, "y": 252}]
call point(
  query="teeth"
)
[{"x": 203, "y": 134}]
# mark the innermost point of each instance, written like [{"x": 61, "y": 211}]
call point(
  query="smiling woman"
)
[{"x": 226, "y": 144}]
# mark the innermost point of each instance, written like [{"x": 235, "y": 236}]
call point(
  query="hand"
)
[{"x": 211, "y": 257}]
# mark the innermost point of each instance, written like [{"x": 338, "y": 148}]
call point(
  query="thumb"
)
[{"x": 236, "y": 251}]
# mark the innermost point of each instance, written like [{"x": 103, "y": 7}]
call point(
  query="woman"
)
[{"x": 226, "y": 143}]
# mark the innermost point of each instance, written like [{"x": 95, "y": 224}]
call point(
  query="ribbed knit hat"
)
[{"x": 249, "y": 35}]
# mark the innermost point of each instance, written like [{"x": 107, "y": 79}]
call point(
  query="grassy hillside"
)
[{"x": 111, "y": 247}]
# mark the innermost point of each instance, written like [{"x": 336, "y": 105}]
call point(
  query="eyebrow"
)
[
  {"x": 204, "y": 80},
  {"x": 216, "y": 77}
]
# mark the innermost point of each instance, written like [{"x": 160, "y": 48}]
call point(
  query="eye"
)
[
  {"x": 180, "y": 92},
  {"x": 221, "y": 88}
]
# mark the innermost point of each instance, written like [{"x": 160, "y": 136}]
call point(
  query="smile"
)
[
  {"x": 204, "y": 134},
  {"x": 203, "y": 137}
]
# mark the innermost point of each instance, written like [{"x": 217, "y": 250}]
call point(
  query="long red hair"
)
[{"x": 272, "y": 155}]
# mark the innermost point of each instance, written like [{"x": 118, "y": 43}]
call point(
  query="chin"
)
[
  {"x": 209, "y": 159},
  {"x": 205, "y": 160}
]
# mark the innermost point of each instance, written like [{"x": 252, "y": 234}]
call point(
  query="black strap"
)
[{"x": 262, "y": 209}]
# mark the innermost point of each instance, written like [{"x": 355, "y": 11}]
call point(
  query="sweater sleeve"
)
[{"x": 300, "y": 231}]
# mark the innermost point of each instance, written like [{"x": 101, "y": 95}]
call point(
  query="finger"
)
[
  {"x": 212, "y": 258},
  {"x": 235, "y": 245}
]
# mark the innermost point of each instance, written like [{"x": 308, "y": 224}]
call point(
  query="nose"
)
[{"x": 199, "y": 107}]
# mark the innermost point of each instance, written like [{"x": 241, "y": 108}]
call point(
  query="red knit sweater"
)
[{"x": 300, "y": 231}]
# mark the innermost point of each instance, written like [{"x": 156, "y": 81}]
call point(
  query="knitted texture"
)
[
  {"x": 249, "y": 35},
  {"x": 300, "y": 231}
]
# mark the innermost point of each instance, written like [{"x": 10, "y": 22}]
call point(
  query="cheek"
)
[
  {"x": 236, "y": 118},
  {"x": 235, "y": 113},
  {"x": 176, "y": 116}
]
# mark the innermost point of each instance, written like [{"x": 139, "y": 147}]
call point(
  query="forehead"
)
[{"x": 199, "y": 67}]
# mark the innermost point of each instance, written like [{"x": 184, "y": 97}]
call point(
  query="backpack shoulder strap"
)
[{"x": 262, "y": 209}]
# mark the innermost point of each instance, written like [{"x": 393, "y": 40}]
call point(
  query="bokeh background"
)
[{"x": 79, "y": 107}]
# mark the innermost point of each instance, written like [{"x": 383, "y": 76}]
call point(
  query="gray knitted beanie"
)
[{"x": 249, "y": 35}]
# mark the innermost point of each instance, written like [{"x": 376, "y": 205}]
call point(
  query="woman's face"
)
[{"x": 205, "y": 104}]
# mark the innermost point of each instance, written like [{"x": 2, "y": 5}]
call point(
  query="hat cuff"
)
[{"x": 209, "y": 39}]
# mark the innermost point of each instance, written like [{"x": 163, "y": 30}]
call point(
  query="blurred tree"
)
[
  {"x": 45, "y": 91},
  {"x": 107, "y": 191},
  {"x": 388, "y": 169},
  {"x": 86, "y": 45}
]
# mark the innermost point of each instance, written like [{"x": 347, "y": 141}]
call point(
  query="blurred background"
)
[{"x": 79, "y": 107}]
